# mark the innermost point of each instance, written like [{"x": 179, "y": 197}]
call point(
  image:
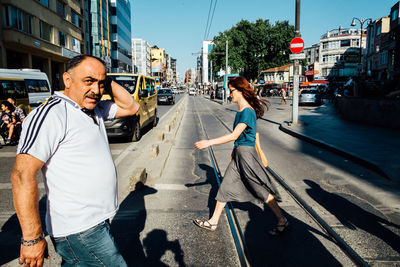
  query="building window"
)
[
  {"x": 113, "y": 11},
  {"x": 60, "y": 8},
  {"x": 61, "y": 39},
  {"x": 46, "y": 3},
  {"x": 17, "y": 19},
  {"x": 378, "y": 30},
  {"x": 46, "y": 31},
  {"x": 344, "y": 43},
  {"x": 75, "y": 18},
  {"x": 395, "y": 14},
  {"x": 113, "y": 28},
  {"x": 383, "y": 57},
  {"x": 76, "y": 45}
]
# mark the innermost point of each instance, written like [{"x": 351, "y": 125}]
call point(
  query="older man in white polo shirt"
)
[{"x": 66, "y": 139}]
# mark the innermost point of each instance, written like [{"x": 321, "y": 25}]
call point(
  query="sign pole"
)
[{"x": 295, "y": 99}]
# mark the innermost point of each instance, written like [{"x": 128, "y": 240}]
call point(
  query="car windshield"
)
[
  {"x": 128, "y": 82},
  {"x": 164, "y": 91}
]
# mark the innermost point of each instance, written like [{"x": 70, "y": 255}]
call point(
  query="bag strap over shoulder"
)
[{"x": 260, "y": 153}]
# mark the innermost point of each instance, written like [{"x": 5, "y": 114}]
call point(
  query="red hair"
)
[{"x": 240, "y": 83}]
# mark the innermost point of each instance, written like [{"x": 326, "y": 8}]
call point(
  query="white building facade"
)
[
  {"x": 339, "y": 52},
  {"x": 205, "y": 70},
  {"x": 141, "y": 56}
]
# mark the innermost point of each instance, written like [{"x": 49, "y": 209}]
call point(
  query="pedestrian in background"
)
[
  {"x": 66, "y": 139},
  {"x": 19, "y": 113},
  {"x": 246, "y": 178},
  {"x": 283, "y": 96},
  {"x": 7, "y": 121}
]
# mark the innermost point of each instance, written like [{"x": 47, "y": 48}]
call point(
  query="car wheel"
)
[{"x": 136, "y": 134}]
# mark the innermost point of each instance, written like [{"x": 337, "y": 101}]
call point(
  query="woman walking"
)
[{"x": 245, "y": 177}]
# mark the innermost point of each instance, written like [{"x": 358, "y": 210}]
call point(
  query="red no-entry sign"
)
[{"x": 296, "y": 45}]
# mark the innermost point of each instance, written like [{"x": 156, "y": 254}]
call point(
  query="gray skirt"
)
[{"x": 246, "y": 179}]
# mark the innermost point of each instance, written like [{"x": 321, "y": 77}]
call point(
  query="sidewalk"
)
[{"x": 374, "y": 147}]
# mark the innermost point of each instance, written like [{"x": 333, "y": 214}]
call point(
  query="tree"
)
[{"x": 253, "y": 47}]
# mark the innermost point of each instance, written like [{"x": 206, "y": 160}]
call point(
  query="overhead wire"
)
[
  {"x": 212, "y": 17},
  {"x": 208, "y": 19}
]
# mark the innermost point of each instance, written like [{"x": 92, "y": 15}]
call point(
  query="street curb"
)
[
  {"x": 351, "y": 156},
  {"x": 158, "y": 151}
]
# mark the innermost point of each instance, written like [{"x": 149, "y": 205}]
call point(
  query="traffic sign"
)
[
  {"x": 296, "y": 45},
  {"x": 297, "y": 56}
]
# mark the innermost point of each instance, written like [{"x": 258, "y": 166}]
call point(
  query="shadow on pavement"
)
[
  {"x": 129, "y": 222},
  {"x": 296, "y": 247},
  {"x": 210, "y": 179},
  {"x": 156, "y": 244},
  {"x": 10, "y": 235},
  {"x": 353, "y": 216}
]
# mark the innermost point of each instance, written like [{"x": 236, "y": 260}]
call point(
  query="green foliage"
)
[{"x": 253, "y": 47}]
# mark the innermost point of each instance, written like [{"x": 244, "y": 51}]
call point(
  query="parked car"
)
[
  {"x": 165, "y": 96},
  {"x": 310, "y": 97}
]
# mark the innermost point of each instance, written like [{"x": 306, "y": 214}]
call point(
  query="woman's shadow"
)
[
  {"x": 129, "y": 222},
  {"x": 298, "y": 246},
  {"x": 353, "y": 216}
]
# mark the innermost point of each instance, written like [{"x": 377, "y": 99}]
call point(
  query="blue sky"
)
[{"x": 179, "y": 25}]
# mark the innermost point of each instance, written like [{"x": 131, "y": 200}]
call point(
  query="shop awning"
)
[{"x": 314, "y": 83}]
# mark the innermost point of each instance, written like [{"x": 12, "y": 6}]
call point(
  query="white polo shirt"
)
[{"x": 79, "y": 173}]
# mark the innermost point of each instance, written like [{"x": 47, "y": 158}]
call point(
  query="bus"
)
[{"x": 34, "y": 81}]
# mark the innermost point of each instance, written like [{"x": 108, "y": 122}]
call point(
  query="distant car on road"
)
[
  {"x": 192, "y": 91},
  {"x": 165, "y": 96},
  {"x": 175, "y": 91},
  {"x": 310, "y": 97}
]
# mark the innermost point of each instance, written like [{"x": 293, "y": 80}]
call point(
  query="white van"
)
[{"x": 36, "y": 82}]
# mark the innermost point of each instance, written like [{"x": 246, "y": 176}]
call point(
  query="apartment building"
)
[
  {"x": 121, "y": 53},
  {"x": 157, "y": 57},
  {"x": 377, "y": 54},
  {"x": 174, "y": 71},
  {"x": 281, "y": 76},
  {"x": 141, "y": 56},
  {"x": 339, "y": 53},
  {"x": 205, "y": 69},
  {"x": 98, "y": 29},
  {"x": 41, "y": 34}
]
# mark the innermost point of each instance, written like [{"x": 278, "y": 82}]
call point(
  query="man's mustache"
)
[{"x": 93, "y": 95}]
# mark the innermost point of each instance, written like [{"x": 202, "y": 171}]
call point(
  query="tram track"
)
[{"x": 234, "y": 223}]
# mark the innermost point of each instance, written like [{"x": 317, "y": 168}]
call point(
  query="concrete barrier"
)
[{"x": 380, "y": 112}]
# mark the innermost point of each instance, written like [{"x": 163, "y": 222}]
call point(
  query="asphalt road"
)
[{"x": 159, "y": 229}]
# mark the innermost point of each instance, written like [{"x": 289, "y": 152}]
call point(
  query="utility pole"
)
[
  {"x": 224, "y": 96},
  {"x": 211, "y": 75},
  {"x": 295, "y": 101}
]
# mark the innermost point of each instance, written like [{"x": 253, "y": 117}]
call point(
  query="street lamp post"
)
[{"x": 353, "y": 23}]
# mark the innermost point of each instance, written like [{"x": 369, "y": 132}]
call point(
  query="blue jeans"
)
[{"x": 93, "y": 247}]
